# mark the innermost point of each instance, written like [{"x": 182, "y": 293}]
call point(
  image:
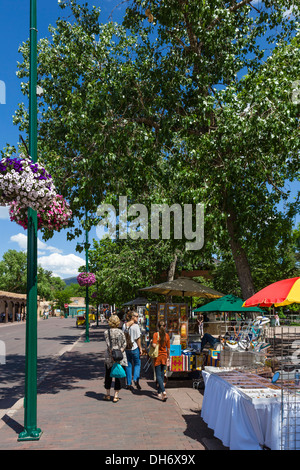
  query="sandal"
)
[
  {"x": 164, "y": 396},
  {"x": 106, "y": 398},
  {"x": 116, "y": 399}
]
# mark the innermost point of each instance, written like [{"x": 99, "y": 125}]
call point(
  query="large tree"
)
[
  {"x": 237, "y": 136},
  {"x": 184, "y": 109},
  {"x": 123, "y": 267}
]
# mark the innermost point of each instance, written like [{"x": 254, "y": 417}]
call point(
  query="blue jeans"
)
[
  {"x": 133, "y": 358},
  {"x": 160, "y": 373},
  {"x": 207, "y": 338}
]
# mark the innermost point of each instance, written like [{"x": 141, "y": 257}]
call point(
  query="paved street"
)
[
  {"x": 55, "y": 336},
  {"x": 73, "y": 415}
]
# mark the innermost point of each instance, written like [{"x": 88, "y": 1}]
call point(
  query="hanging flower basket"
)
[
  {"x": 86, "y": 279},
  {"x": 25, "y": 182},
  {"x": 54, "y": 217}
]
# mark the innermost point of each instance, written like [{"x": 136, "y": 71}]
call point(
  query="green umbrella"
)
[{"x": 228, "y": 303}]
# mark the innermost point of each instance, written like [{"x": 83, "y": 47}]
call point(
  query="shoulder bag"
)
[
  {"x": 153, "y": 351},
  {"x": 116, "y": 354}
]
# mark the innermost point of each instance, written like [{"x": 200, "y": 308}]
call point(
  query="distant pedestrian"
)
[
  {"x": 277, "y": 321},
  {"x": 115, "y": 339},
  {"x": 133, "y": 354},
  {"x": 162, "y": 360},
  {"x": 200, "y": 324}
]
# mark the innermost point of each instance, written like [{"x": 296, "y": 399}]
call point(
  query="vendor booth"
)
[
  {"x": 245, "y": 411},
  {"x": 176, "y": 316},
  {"x": 185, "y": 356},
  {"x": 252, "y": 409}
]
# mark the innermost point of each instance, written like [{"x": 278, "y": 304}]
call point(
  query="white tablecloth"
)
[{"x": 239, "y": 422}]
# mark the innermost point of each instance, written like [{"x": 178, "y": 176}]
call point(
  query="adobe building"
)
[{"x": 13, "y": 306}]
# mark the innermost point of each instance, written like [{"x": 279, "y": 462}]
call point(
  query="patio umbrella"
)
[
  {"x": 228, "y": 303},
  {"x": 279, "y": 293},
  {"x": 138, "y": 301},
  {"x": 183, "y": 286}
]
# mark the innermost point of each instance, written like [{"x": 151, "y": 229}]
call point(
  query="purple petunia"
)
[{"x": 86, "y": 279}]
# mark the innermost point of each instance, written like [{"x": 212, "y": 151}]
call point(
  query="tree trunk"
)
[
  {"x": 240, "y": 258},
  {"x": 171, "y": 274},
  {"x": 172, "y": 268}
]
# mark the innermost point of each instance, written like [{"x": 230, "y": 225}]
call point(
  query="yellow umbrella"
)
[{"x": 184, "y": 286}]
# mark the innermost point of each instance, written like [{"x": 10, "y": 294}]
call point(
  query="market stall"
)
[
  {"x": 176, "y": 316},
  {"x": 244, "y": 410}
]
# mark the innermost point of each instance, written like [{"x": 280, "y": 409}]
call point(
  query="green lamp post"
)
[
  {"x": 87, "y": 307},
  {"x": 31, "y": 432}
]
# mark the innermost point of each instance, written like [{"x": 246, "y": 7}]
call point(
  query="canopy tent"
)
[
  {"x": 185, "y": 287},
  {"x": 137, "y": 301},
  {"x": 228, "y": 303}
]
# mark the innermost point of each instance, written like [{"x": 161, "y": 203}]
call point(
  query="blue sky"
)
[{"x": 57, "y": 254}]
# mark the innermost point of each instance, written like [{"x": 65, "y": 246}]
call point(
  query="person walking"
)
[
  {"x": 133, "y": 354},
  {"x": 162, "y": 360},
  {"x": 115, "y": 339}
]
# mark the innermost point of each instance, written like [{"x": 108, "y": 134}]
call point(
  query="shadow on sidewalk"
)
[
  {"x": 198, "y": 430},
  {"x": 72, "y": 368}
]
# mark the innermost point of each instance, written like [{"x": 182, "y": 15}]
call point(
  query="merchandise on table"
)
[
  {"x": 175, "y": 350},
  {"x": 199, "y": 361},
  {"x": 180, "y": 363},
  {"x": 213, "y": 358},
  {"x": 246, "y": 380}
]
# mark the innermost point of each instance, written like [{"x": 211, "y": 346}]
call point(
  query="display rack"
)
[{"x": 175, "y": 315}]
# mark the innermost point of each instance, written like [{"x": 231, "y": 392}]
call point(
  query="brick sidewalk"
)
[{"x": 73, "y": 415}]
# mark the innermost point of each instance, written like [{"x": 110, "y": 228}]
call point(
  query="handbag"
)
[
  {"x": 153, "y": 351},
  {"x": 116, "y": 354},
  {"x": 117, "y": 371}
]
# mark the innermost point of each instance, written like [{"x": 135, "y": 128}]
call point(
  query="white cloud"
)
[
  {"x": 21, "y": 239},
  {"x": 44, "y": 246},
  {"x": 61, "y": 265}
]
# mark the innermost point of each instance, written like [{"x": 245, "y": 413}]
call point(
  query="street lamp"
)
[
  {"x": 87, "y": 318},
  {"x": 31, "y": 432},
  {"x": 86, "y": 246}
]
